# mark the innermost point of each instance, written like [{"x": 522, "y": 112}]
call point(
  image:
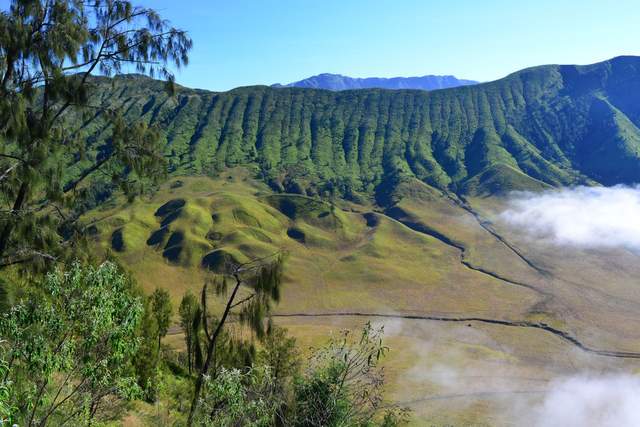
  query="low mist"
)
[
  {"x": 450, "y": 371},
  {"x": 590, "y": 401},
  {"x": 587, "y": 217}
]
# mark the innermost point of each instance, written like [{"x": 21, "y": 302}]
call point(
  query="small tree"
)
[
  {"x": 189, "y": 313},
  {"x": 69, "y": 345},
  {"x": 161, "y": 309},
  {"x": 146, "y": 358},
  {"x": 239, "y": 398},
  {"x": 344, "y": 384},
  {"x": 260, "y": 279},
  {"x": 48, "y": 52},
  {"x": 280, "y": 354}
]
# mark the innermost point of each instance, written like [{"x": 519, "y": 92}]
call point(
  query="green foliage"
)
[
  {"x": 262, "y": 277},
  {"x": 146, "y": 358},
  {"x": 238, "y": 398},
  {"x": 48, "y": 51},
  {"x": 69, "y": 344},
  {"x": 258, "y": 394},
  {"x": 343, "y": 385},
  {"x": 162, "y": 310},
  {"x": 280, "y": 353},
  {"x": 265, "y": 284},
  {"x": 189, "y": 312},
  {"x": 7, "y": 409}
]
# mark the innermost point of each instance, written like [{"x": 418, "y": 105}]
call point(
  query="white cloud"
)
[
  {"x": 522, "y": 399},
  {"x": 590, "y": 217},
  {"x": 589, "y": 402}
]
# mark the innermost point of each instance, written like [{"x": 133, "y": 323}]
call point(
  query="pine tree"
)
[
  {"x": 261, "y": 279},
  {"x": 161, "y": 309},
  {"x": 188, "y": 313},
  {"x": 49, "y": 51}
]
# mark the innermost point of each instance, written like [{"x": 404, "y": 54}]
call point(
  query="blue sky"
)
[{"x": 245, "y": 42}]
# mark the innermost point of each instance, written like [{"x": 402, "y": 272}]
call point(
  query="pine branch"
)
[
  {"x": 73, "y": 184},
  {"x": 244, "y": 300},
  {"x": 23, "y": 256}
]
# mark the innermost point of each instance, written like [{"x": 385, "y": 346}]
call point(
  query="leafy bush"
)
[
  {"x": 69, "y": 345},
  {"x": 344, "y": 384},
  {"x": 238, "y": 398}
]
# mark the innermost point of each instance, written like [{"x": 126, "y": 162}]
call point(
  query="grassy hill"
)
[
  {"x": 549, "y": 125},
  {"x": 478, "y": 317},
  {"x": 467, "y": 314},
  {"x": 338, "y": 259}
]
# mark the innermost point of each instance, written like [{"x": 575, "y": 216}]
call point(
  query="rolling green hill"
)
[
  {"x": 459, "y": 297},
  {"x": 549, "y": 125},
  {"x": 461, "y": 294}
]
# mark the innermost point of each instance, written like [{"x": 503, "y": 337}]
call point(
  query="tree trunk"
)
[
  {"x": 189, "y": 356},
  {"x": 8, "y": 227},
  {"x": 210, "y": 350}
]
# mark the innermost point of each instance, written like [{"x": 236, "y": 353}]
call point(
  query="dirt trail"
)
[
  {"x": 424, "y": 229},
  {"x": 518, "y": 324},
  {"x": 488, "y": 227}
]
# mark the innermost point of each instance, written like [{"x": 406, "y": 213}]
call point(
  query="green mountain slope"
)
[
  {"x": 457, "y": 289},
  {"x": 553, "y": 125}
]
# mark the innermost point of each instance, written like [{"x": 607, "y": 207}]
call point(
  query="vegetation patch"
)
[
  {"x": 259, "y": 235},
  {"x": 214, "y": 236},
  {"x": 170, "y": 217},
  {"x": 297, "y": 207},
  {"x": 244, "y": 217},
  {"x": 501, "y": 179},
  {"x": 92, "y": 230},
  {"x": 372, "y": 219}
]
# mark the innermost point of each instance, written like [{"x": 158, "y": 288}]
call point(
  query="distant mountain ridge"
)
[{"x": 337, "y": 82}]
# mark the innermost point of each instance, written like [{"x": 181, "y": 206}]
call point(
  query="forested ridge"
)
[{"x": 554, "y": 125}]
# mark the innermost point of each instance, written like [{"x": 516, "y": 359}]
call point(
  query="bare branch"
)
[
  {"x": 11, "y": 156},
  {"x": 8, "y": 171},
  {"x": 22, "y": 256},
  {"x": 255, "y": 263},
  {"x": 244, "y": 300}
]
